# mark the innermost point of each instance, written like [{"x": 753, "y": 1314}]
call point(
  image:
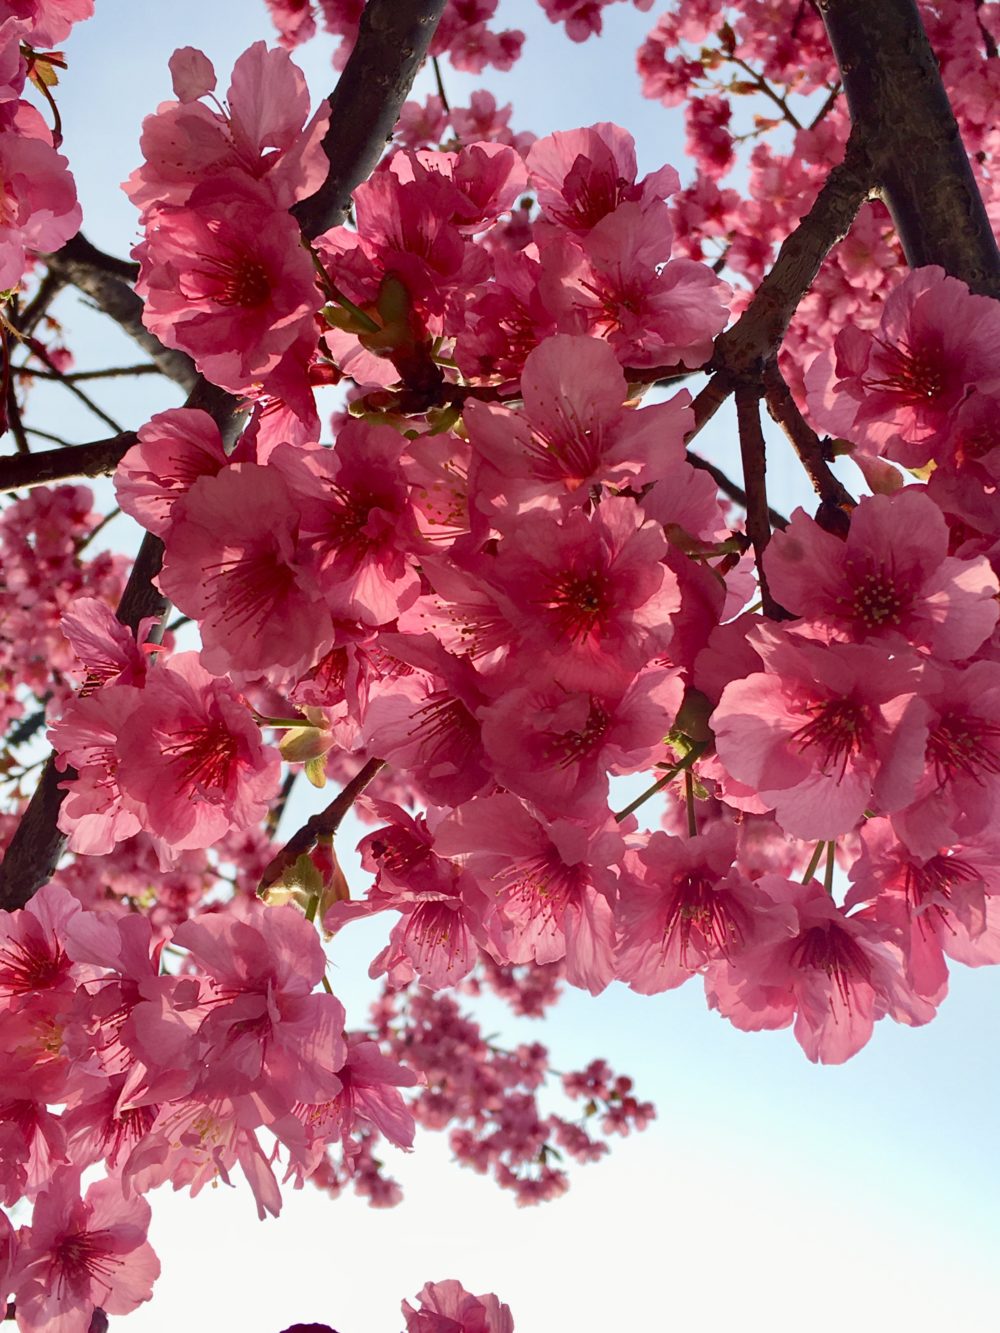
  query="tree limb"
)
[
  {"x": 753, "y": 453},
  {"x": 900, "y": 108},
  {"x": 322, "y": 825},
  {"x": 23, "y": 471},
  {"x": 803, "y": 439},
  {"x": 105, "y": 280},
  {"x": 392, "y": 42}
]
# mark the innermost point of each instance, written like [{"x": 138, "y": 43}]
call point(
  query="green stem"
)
[
  {"x": 689, "y": 800},
  {"x": 695, "y": 752},
  {"x": 828, "y": 876},
  {"x": 813, "y": 863}
]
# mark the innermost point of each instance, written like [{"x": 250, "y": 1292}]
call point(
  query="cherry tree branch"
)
[
  {"x": 730, "y": 488},
  {"x": 97, "y": 459},
  {"x": 900, "y": 108},
  {"x": 753, "y": 453},
  {"x": 804, "y": 440},
  {"x": 322, "y": 825},
  {"x": 392, "y": 43},
  {"x": 106, "y": 281}
]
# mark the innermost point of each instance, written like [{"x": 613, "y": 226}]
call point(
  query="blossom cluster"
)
[
  {"x": 38, "y": 204},
  {"x": 162, "y": 1078},
  {"x": 505, "y": 594}
]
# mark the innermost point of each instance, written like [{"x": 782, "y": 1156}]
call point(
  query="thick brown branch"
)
[
  {"x": 757, "y": 334},
  {"x": 753, "y": 453},
  {"x": 105, "y": 280},
  {"x": 322, "y": 825},
  {"x": 804, "y": 440},
  {"x": 23, "y": 471},
  {"x": 899, "y": 106},
  {"x": 391, "y": 46},
  {"x": 742, "y": 351}
]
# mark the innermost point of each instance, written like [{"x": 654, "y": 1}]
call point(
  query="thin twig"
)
[
  {"x": 730, "y": 488},
  {"x": 72, "y": 376},
  {"x": 436, "y": 66},
  {"x": 762, "y": 86},
  {"x": 804, "y": 440},
  {"x": 38, "y": 350},
  {"x": 321, "y": 825},
  {"x": 753, "y": 453}
]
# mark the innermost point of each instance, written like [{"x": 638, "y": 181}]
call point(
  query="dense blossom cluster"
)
[{"x": 502, "y": 589}]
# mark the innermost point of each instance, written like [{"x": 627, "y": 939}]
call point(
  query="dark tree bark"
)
[{"x": 899, "y": 104}]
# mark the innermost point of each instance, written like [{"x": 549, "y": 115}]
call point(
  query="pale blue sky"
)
[{"x": 770, "y": 1194}]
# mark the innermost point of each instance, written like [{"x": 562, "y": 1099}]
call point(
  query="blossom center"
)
[
  {"x": 961, "y": 745},
  {"x": 579, "y": 602},
  {"x": 206, "y": 757},
  {"x": 877, "y": 601},
  {"x": 239, "y": 281},
  {"x": 835, "y": 952},
  {"x": 572, "y": 747},
  {"x": 836, "y": 728},
  {"x": 250, "y": 587},
  {"x": 24, "y": 970},
  {"x": 698, "y": 907},
  {"x": 911, "y": 374}
]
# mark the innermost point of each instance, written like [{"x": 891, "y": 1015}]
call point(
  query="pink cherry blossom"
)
[
  {"x": 891, "y": 579},
  {"x": 82, "y": 1254},
  {"x": 574, "y": 432},
  {"x": 684, "y": 905},
  {"x": 175, "y": 448},
  {"x": 446, "y": 1307},
  {"x": 194, "y": 757},
  {"x": 934, "y": 344},
  {"x": 38, "y": 205},
  {"x": 580, "y": 176},
  {"x": 265, "y": 1031},
  {"x": 262, "y": 133},
  {"x": 551, "y": 885},
  {"x": 231, "y": 562},
  {"x": 824, "y": 732},
  {"x": 833, "y": 974},
  {"x": 620, "y": 284},
  {"x": 225, "y": 279}
]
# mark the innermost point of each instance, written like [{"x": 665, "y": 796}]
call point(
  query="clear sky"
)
[{"x": 770, "y": 1194}]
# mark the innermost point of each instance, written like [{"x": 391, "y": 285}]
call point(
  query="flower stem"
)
[
  {"x": 689, "y": 802},
  {"x": 831, "y": 847},
  {"x": 813, "y": 862},
  {"x": 695, "y": 752}
]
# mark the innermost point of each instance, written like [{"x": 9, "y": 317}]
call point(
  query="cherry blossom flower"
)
[
  {"x": 225, "y": 279},
  {"x": 263, "y": 134},
  {"x": 231, "y": 562},
  {"x": 38, "y": 204},
  {"x": 82, "y": 1254},
  {"x": 891, "y": 579},
  {"x": 446, "y": 1307},
  {"x": 175, "y": 448},
  {"x": 580, "y": 176},
  {"x": 551, "y": 884},
  {"x": 684, "y": 905},
  {"x": 824, "y": 732},
  {"x": 935, "y": 343},
  {"x": 194, "y": 758},
  {"x": 265, "y": 1031},
  {"x": 573, "y": 433}
]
